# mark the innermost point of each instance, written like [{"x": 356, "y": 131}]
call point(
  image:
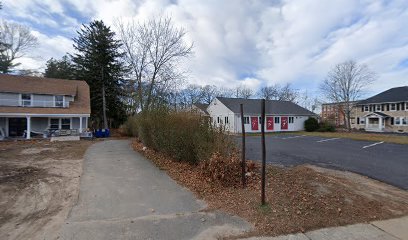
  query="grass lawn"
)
[{"x": 390, "y": 138}]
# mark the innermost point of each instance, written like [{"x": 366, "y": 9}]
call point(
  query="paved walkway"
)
[
  {"x": 393, "y": 229},
  {"x": 124, "y": 196}
]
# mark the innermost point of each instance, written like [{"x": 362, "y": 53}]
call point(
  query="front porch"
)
[
  {"x": 26, "y": 127},
  {"x": 376, "y": 122}
]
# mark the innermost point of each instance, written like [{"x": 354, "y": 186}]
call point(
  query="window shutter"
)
[
  {"x": 382, "y": 107},
  {"x": 402, "y": 106},
  {"x": 358, "y": 120},
  {"x": 362, "y": 108},
  {"x": 392, "y": 121},
  {"x": 388, "y": 107},
  {"x": 398, "y": 106}
]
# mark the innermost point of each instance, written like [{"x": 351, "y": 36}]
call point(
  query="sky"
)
[{"x": 244, "y": 42}]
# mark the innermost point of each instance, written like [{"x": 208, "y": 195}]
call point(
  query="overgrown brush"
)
[
  {"x": 223, "y": 169},
  {"x": 182, "y": 135}
]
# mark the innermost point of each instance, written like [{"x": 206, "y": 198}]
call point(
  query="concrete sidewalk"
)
[
  {"x": 393, "y": 229},
  {"x": 124, "y": 196}
]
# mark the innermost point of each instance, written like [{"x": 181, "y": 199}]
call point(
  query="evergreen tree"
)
[
  {"x": 97, "y": 60},
  {"x": 62, "y": 68}
]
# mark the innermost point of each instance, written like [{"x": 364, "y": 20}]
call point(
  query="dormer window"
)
[
  {"x": 26, "y": 100},
  {"x": 59, "y": 101},
  {"x": 366, "y": 108}
]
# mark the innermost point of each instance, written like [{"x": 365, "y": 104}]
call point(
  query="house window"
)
[
  {"x": 378, "y": 108},
  {"x": 291, "y": 120},
  {"x": 59, "y": 101},
  {"x": 54, "y": 123},
  {"x": 393, "y": 108},
  {"x": 404, "y": 120},
  {"x": 226, "y": 120},
  {"x": 276, "y": 119},
  {"x": 397, "y": 121},
  {"x": 366, "y": 108},
  {"x": 26, "y": 100},
  {"x": 246, "y": 120},
  {"x": 362, "y": 121},
  {"x": 65, "y": 123}
]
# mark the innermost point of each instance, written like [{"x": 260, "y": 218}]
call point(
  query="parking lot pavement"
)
[{"x": 386, "y": 162}]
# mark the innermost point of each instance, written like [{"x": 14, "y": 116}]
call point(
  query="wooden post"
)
[
  {"x": 243, "y": 147},
  {"x": 263, "y": 151}
]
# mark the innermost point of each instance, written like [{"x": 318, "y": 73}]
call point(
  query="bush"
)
[
  {"x": 223, "y": 169},
  {"x": 129, "y": 128},
  {"x": 181, "y": 135},
  {"x": 326, "y": 127},
  {"x": 311, "y": 124}
]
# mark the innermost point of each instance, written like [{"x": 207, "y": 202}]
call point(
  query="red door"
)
[
  {"x": 284, "y": 123},
  {"x": 269, "y": 123},
  {"x": 254, "y": 123}
]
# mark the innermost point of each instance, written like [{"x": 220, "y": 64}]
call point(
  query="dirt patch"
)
[
  {"x": 30, "y": 151},
  {"x": 39, "y": 182},
  {"x": 299, "y": 199}
]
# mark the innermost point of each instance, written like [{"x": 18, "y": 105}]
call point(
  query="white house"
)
[
  {"x": 280, "y": 115},
  {"x": 35, "y": 105}
]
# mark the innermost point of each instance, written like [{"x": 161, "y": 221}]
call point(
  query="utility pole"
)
[
  {"x": 263, "y": 151},
  {"x": 243, "y": 147},
  {"x": 105, "y": 122}
]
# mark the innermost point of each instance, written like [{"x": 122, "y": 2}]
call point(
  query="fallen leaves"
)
[{"x": 299, "y": 199}]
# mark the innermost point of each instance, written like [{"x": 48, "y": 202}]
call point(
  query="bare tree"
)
[
  {"x": 209, "y": 92},
  {"x": 225, "y": 92},
  {"x": 309, "y": 102},
  {"x": 15, "y": 41},
  {"x": 345, "y": 83},
  {"x": 192, "y": 94},
  {"x": 153, "y": 48},
  {"x": 268, "y": 92},
  {"x": 276, "y": 92},
  {"x": 287, "y": 93},
  {"x": 243, "y": 92}
]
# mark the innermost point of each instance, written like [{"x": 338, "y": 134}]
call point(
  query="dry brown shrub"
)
[{"x": 225, "y": 170}]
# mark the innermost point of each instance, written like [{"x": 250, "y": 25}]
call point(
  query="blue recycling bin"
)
[{"x": 102, "y": 133}]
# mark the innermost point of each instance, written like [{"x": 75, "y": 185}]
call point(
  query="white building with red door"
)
[{"x": 280, "y": 115}]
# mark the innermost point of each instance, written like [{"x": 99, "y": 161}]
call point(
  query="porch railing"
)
[{"x": 33, "y": 103}]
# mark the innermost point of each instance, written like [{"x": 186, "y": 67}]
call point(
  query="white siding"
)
[
  {"x": 42, "y": 100},
  {"x": 9, "y": 99},
  {"x": 297, "y": 125},
  {"x": 217, "y": 109}
]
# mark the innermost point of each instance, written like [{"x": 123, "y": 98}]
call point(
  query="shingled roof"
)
[
  {"x": 398, "y": 94},
  {"x": 202, "y": 107},
  {"x": 253, "y": 106},
  {"x": 40, "y": 85}
]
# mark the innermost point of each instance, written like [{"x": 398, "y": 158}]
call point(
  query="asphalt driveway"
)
[
  {"x": 382, "y": 161},
  {"x": 124, "y": 196}
]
